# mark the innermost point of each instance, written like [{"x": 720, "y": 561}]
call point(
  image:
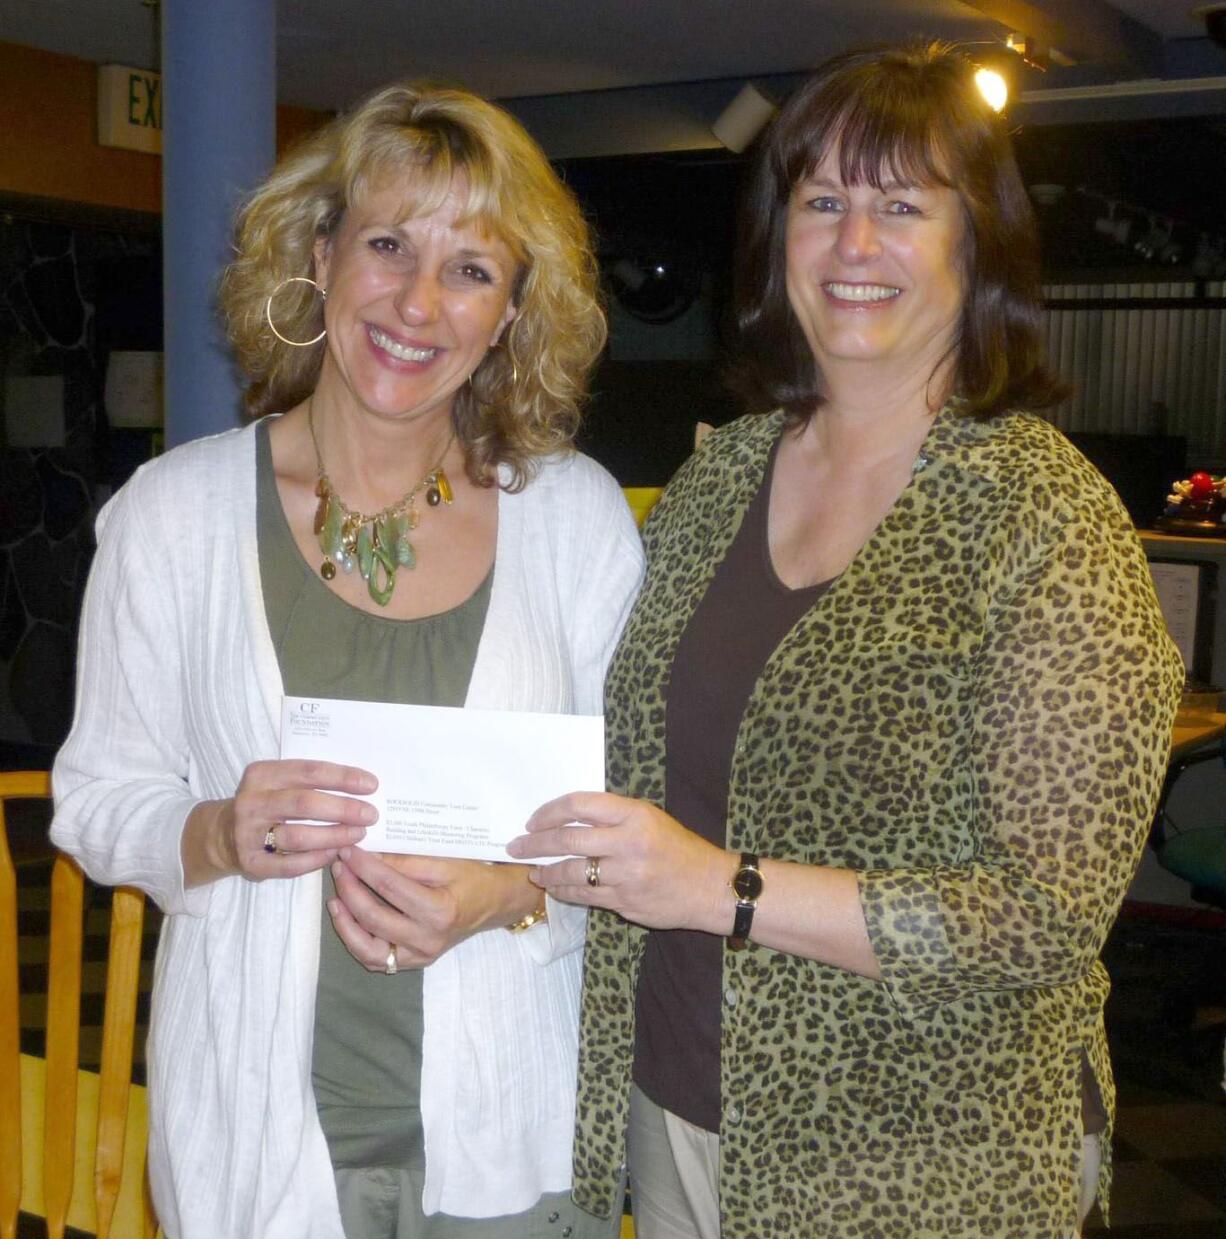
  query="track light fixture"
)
[{"x": 744, "y": 118}]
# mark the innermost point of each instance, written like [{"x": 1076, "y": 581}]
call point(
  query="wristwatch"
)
[{"x": 747, "y": 887}]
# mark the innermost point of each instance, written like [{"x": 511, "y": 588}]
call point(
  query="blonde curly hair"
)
[{"x": 523, "y": 399}]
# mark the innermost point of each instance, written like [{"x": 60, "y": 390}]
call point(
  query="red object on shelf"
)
[{"x": 1202, "y": 486}]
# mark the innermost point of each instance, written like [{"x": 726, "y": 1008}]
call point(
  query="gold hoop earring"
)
[{"x": 294, "y": 279}]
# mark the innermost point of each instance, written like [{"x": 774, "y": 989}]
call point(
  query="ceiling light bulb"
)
[{"x": 992, "y": 87}]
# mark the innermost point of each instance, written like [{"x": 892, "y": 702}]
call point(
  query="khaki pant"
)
[{"x": 674, "y": 1174}]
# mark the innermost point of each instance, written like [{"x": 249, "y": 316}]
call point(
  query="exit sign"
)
[{"x": 130, "y": 108}]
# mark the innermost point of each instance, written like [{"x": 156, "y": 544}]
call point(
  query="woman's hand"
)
[
  {"x": 226, "y": 837},
  {"x": 420, "y": 906},
  {"x": 648, "y": 867},
  {"x": 655, "y": 872}
]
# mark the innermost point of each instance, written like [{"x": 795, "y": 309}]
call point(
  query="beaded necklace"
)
[{"x": 376, "y": 545}]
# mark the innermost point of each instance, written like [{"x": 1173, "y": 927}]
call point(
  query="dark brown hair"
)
[{"x": 912, "y": 114}]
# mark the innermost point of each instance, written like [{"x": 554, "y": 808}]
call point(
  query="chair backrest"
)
[
  {"x": 1197, "y": 855},
  {"x": 641, "y": 500},
  {"x": 20, "y": 1076}
]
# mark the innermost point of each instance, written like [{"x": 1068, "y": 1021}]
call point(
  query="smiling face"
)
[
  {"x": 412, "y": 304},
  {"x": 875, "y": 275}
]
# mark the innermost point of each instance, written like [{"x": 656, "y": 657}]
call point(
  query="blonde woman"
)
[{"x": 342, "y": 1043}]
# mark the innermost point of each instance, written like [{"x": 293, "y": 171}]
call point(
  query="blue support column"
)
[{"x": 218, "y": 141}]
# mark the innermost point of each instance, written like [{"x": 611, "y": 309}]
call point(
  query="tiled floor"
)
[{"x": 1166, "y": 1020}]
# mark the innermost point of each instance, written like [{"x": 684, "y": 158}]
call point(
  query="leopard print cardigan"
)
[{"x": 975, "y": 718}]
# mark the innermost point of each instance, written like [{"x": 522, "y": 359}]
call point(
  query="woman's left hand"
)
[
  {"x": 418, "y": 906},
  {"x": 633, "y": 859}
]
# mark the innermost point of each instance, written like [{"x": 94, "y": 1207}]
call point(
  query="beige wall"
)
[{"x": 48, "y": 146}]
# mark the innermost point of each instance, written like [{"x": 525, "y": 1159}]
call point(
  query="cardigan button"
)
[
  {"x": 553, "y": 1217},
  {"x": 729, "y": 996},
  {"x": 734, "y": 1113}
]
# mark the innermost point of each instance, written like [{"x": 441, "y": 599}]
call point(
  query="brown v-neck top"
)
[{"x": 743, "y": 616}]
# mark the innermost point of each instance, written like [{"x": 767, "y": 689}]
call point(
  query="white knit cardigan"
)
[{"x": 178, "y": 690}]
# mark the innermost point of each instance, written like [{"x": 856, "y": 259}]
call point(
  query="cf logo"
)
[{"x": 309, "y": 707}]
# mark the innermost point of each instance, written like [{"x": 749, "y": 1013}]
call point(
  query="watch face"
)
[{"x": 747, "y": 884}]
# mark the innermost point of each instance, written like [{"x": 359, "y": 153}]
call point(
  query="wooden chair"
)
[{"x": 113, "y": 1146}]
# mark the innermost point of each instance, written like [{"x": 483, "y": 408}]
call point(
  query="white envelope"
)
[{"x": 452, "y": 782}]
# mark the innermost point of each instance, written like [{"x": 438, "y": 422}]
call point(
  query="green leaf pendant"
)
[
  {"x": 382, "y": 578},
  {"x": 330, "y": 534},
  {"x": 365, "y": 550}
]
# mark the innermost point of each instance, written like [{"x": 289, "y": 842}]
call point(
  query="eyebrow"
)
[
  {"x": 400, "y": 229},
  {"x": 489, "y": 255},
  {"x": 824, "y": 182}
]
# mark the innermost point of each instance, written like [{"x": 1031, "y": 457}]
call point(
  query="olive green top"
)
[{"x": 368, "y": 1026}]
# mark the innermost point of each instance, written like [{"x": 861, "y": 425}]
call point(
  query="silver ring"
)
[
  {"x": 270, "y": 841},
  {"x": 591, "y": 871},
  {"x": 391, "y": 967}
]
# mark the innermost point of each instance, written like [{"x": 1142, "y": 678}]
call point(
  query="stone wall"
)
[{"x": 51, "y": 284}]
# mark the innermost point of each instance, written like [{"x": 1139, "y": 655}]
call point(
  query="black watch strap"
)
[{"x": 747, "y": 886}]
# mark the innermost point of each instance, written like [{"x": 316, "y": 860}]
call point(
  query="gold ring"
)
[
  {"x": 592, "y": 871},
  {"x": 391, "y": 967}
]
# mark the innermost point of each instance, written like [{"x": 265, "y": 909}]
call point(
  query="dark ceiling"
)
[{"x": 559, "y": 57}]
